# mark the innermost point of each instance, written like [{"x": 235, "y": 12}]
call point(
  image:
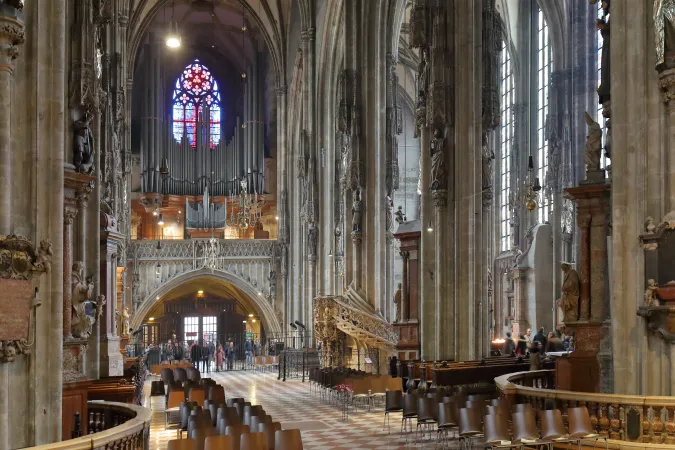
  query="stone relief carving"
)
[
  {"x": 397, "y": 304},
  {"x": 272, "y": 280},
  {"x": 389, "y": 213},
  {"x": 651, "y": 299},
  {"x": 487, "y": 177},
  {"x": 312, "y": 240},
  {"x": 82, "y": 293},
  {"x": 593, "y": 144}
]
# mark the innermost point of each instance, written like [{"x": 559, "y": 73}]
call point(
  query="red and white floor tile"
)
[{"x": 292, "y": 404}]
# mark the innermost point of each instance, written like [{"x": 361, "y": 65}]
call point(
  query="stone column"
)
[
  {"x": 584, "y": 222},
  {"x": 69, "y": 214},
  {"x": 111, "y": 358},
  {"x": 11, "y": 35},
  {"x": 82, "y": 198},
  {"x": 667, "y": 82},
  {"x": 444, "y": 318},
  {"x": 405, "y": 311},
  {"x": 358, "y": 260},
  {"x": 520, "y": 297}
]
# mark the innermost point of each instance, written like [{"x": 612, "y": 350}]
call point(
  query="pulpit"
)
[{"x": 407, "y": 323}]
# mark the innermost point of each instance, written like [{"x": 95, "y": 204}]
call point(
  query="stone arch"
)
[{"x": 265, "y": 310}]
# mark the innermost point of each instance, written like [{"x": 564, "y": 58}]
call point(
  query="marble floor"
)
[{"x": 291, "y": 403}]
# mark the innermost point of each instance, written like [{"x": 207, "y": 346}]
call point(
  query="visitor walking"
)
[{"x": 220, "y": 354}]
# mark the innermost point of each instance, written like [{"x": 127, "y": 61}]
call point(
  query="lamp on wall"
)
[
  {"x": 531, "y": 192},
  {"x": 173, "y": 37},
  {"x": 161, "y": 219}
]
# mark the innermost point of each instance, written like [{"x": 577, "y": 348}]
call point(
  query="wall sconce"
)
[
  {"x": 430, "y": 228},
  {"x": 161, "y": 220},
  {"x": 172, "y": 37},
  {"x": 158, "y": 269}
]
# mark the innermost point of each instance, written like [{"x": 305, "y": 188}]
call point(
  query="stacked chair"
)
[
  {"x": 366, "y": 389},
  {"x": 233, "y": 424}
]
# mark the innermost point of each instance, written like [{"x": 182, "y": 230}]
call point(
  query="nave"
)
[{"x": 292, "y": 404}]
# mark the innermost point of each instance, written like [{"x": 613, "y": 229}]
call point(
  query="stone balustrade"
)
[
  {"x": 115, "y": 425},
  {"x": 629, "y": 421}
]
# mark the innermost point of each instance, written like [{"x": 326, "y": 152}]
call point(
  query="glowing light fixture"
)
[
  {"x": 243, "y": 321},
  {"x": 430, "y": 228},
  {"x": 276, "y": 218},
  {"x": 161, "y": 220},
  {"x": 151, "y": 318},
  {"x": 250, "y": 315},
  {"x": 200, "y": 292},
  {"x": 172, "y": 37},
  {"x": 157, "y": 298},
  {"x": 154, "y": 213},
  {"x": 253, "y": 320}
]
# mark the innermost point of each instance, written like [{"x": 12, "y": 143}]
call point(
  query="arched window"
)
[
  {"x": 543, "y": 60},
  {"x": 196, "y": 93},
  {"x": 505, "y": 147}
]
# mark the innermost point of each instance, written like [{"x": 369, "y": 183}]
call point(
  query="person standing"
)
[
  {"x": 205, "y": 357},
  {"x": 541, "y": 338},
  {"x": 196, "y": 354},
  {"x": 528, "y": 338},
  {"x": 220, "y": 353},
  {"x": 248, "y": 348},
  {"x": 509, "y": 345},
  {"x": 230, "y": 356}
]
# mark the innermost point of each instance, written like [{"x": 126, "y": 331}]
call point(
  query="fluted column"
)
[
  {"x": 444, "y": 311},
  {"x": 11, "y": 35},
  {"x": 69, "y": 214},
  {"x": 358, "y": 259},
  {"x": 667, "y": 81},
  {"x": 82, "y": 199},
  {"x": 598, "y": 263},
  {"x": 405, "y": 307},
  {"x": 584, "y": 222},
  {"x": 427, "y": 292}
]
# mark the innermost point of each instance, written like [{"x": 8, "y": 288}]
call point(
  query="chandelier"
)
[{"x": 249, "y": 209}]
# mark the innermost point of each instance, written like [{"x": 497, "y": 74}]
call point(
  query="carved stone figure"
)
[
  {"x": 83, "y": 145},
  {"x": 650, "y": 294},
  {"x": 423, "y": 77},
  {"x": 339, "y": 243},
  {"x": 569, "y": 300},
  {"x": 650, "y": 225},
  {"x": 272, "y": 279},
  {"x": 664, "y": 30},
  {"x": 82, "y": 292},
  {"x": 399, "y": 215},
  {"x": 311, "y": 239},
  {"x": 389, "y": 213},
  {"x": 593, "y": 144},
  {"x": 125, "y": 322},
  {"x": 397, "y": 302},
  {"x": 357, "y": 207},
  {"x": 438, "y": 172},
  {"x": 44, "y": 256},
  {"x": 605, "y": 73},
  {"x": 487, "y": 158}
]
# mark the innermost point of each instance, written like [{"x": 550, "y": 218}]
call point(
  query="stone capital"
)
[
  {"x": 667, "y": 84},
  {"x": 82, "y": 195},
  {"x": 69, "y": 214},
  {"x": 357, "y": 236},
  {"x": 12, "y": 34}
]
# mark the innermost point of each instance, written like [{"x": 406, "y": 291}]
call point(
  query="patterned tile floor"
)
[{"x": 292, "y": 404}]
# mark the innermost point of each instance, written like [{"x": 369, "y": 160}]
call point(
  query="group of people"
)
[{"x": 555, "y": 341}]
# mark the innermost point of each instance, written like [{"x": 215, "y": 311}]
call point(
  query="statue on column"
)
[
  {"x": 397, "y": 303},
  {"x": 83, "y": 145},
  {"x": 82, "y": 293},
  {"x": 593, "y": 144},
  {"x": 605, "y": 60},
  {"x": 125, "y": 322},
  {"x": 569, "y": 300},
  {"x": 650, "y": 293},
  {"x": 488, "y": 157},
  {"x": 438, "y": 172},
  {"x": 311, "y": 239},
  {"x": 389, "y": 213},
  {"x": 357, "y": 207},
  {"x": 272, "y": 279},
  {"x": 664, "y": 30}
]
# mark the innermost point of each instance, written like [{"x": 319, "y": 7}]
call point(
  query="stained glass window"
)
[
  {"x": 507, "y": 129},
  {"x": 543, "y": 56},
  {"x": 195, "y": 92}
]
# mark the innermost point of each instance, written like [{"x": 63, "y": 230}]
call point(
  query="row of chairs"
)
[
  {"x": 198, "y": 393},
  {"x": 359, "y": 386},
  {"x": 238, "y": 420},
  {"x": 180, "y": 374},
  {"x": 474, "y": 416},
  {"x": 264, "y": 363}
]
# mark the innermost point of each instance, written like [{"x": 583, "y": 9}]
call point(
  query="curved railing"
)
[
  {"x": 119, "y": 426},
  {"x": 629, "y": 421}
]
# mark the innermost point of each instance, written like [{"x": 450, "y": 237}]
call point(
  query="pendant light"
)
[{"x": 173, "y": 37}]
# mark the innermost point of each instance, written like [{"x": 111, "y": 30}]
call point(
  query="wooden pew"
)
[{"x": 112, "y": 389}]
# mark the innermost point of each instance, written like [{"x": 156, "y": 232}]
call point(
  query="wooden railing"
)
[
  {"x": 632, "y": 419},
  {"x": 111, "y": 425}
]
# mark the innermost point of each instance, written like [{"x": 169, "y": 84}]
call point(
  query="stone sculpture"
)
[
  {"x": 125, "y": 322},
  {"x": 83, "y": 145},
  {"x": 664, "y": 30},
  {"x": 397, "y": 303},
  {"x": 357, "y": 207},
  {"x": 606, "y": 61},
  {"x": 487, "y": 158},
  {"x": 389, "y": 213},
  {"x": 438, "y": 173},
  {"x": 44, "y": 256},
  {"x": 82, "y": 292},
  {"x": 593, "y": 144},
  {"x": 569, "y": 300},
  {"x": 272, "y": 279},
  {"x": 650, "y": 294},
  {"x": 399, "y": 215},
  {"x": 311, "y": 239}
]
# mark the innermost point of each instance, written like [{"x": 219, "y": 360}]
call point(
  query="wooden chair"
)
[
  {"x": 447, "y": 420},
  {"x": 230, "y": 402},
  {"x": 409, "y": 411},
  {"x": 287, "y": 440},
  {"x": 200, "y": 435},
  {"x": 217, "y": 394},
  {"x": 427, "y": 414},
  {"x": 269, "y": 429},
  {"x": 257, "y": 420},
  {"x": 496, "y": 427},
  {"x": 219, "y": 443},
  {"x": 525, "y": 430},
  {"x": 523, "y": 407},
  {"x": 393, "y": 402},
  {"x": 553, "y": 427},
  {"x": 469, "y": 425},
  {"x": 236, "y": 431},
  {"x": 197, "y": 395},
  {"x": 581, "y": 427},
  {"x": 182, "y": 444},
  {"x": 253, "y": 441},
  {"x": 173, "y": 405}
]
